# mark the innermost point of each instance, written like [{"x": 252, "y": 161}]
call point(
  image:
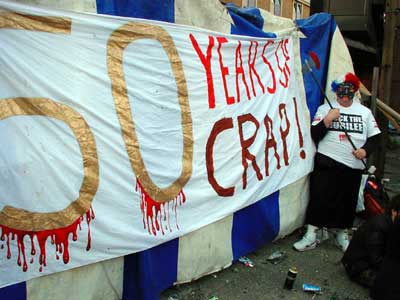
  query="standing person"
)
[
  {"x": 386, "y": 286},
  {"x": 335, "y": 180},
  {"x": 364, "y": 256}
]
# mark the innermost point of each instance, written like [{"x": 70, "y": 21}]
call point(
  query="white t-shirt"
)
[{"x": 360, "y": 125}]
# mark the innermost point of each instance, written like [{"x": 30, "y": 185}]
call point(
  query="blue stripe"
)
[
  {"x": 148, "y": 273},
  {"x": 255, "y": 225},
  {"x": 319, "y": 29},
  {"x": 247, "y": 21},
  {"x": 13, "y": 292},
  {"x": 160, "y": 10}
]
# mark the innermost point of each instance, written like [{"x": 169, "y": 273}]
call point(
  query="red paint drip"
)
[
  {"x": 301, "y": 141},
  {"x": 154, "y": 213},
  {"x": 59, "y": 237}
]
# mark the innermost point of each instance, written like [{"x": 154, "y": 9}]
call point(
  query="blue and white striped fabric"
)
[{"x": 142, "y": 276}]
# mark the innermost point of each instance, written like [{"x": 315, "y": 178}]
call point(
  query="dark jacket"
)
[
  {"x": 368, "y": 246},
  {"x": 387, "y": 284}
]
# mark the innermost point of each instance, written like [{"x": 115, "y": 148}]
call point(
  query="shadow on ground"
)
[{"x": 264, "y": 281}]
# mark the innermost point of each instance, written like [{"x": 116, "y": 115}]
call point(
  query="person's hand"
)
[
  {"x": 360, "y": 153},
  {"x": 333, "y": 114}
]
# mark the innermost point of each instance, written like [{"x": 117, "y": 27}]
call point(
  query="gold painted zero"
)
[{"x": 117, "y": 43}]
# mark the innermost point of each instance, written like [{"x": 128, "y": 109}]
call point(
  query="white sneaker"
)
[
  {"x": 309, "y": 240},
  {"x": 342, "y": 239}
]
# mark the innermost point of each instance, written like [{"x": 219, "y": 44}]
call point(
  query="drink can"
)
[
  {"x": 311, "y": 288},
  {"x": 290, "y": 278}
]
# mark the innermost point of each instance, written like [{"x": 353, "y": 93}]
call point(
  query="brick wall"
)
[
  {"x": 287, "y": 9},
  {"x": 286, "y": 6},
  {"x": 264, "y": 4},
  {"x": 306, "y": 11}
]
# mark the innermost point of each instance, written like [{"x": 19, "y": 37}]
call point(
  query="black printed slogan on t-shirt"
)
[{"x": 348, "y": 122}]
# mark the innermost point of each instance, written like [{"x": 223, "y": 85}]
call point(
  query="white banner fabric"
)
[{"x": 120, "y": 134}]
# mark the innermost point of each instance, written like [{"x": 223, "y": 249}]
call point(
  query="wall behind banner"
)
[{"x": 194, "y": 259}]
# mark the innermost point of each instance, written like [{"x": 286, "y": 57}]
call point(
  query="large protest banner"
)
[{"x": 122, "y": 134}]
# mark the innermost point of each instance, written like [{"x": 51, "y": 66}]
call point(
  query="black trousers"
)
[{"x": 333, "y": 194}]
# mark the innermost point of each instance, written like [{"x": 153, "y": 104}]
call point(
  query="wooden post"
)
[
  {"x": 385, "y": 81},
  {"x": 374, "y": 91}
]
